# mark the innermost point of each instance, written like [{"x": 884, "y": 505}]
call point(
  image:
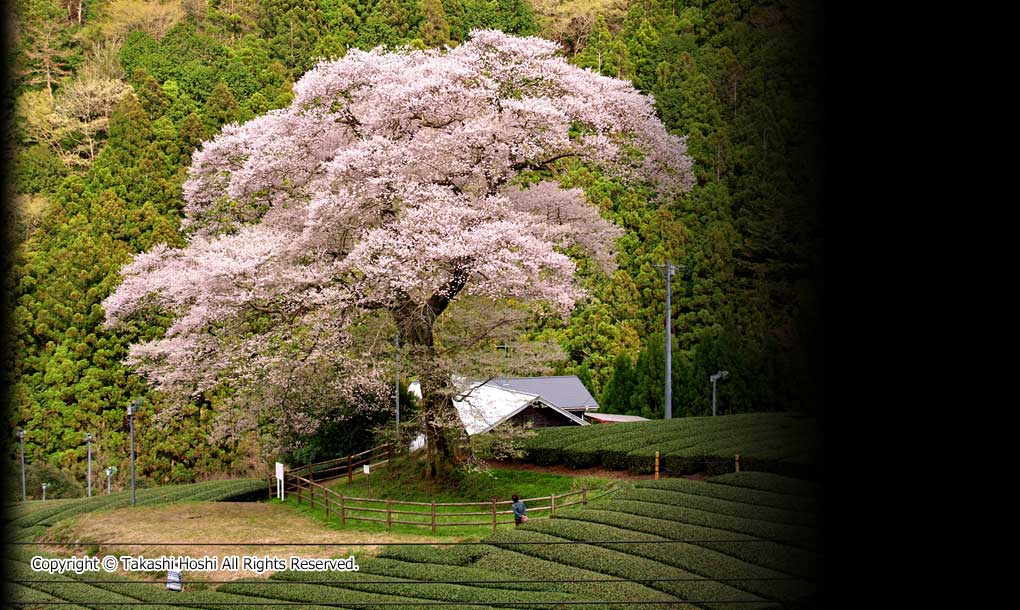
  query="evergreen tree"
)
[
  {"x": 435, "y": 31},
  {"x": 220, "y": 109}
]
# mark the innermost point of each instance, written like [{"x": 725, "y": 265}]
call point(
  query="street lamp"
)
[
  {"x": 44, "y": 486},
  {"x": 110, "y": 470},
  {"x": 714, "y": 378},
  {"x": 132, "y": 409},
  {"x": 88, "y": 440},
  {"x": 21, "y": 437}
]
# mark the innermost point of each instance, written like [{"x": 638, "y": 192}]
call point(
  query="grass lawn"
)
[{"x": 402, "y": 480}]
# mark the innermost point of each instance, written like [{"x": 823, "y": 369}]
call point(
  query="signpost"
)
[{"x": 279, "y": 480}]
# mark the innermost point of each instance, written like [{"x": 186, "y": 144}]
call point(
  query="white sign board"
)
[
  {"x": 365, "y": 468},
  {"x": 279, "y": 480}
]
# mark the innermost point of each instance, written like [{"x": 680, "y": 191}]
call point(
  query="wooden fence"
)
[
  {"x": 305, "y": 483},
  {"x": 436, "y": 517},
  {"x": 350, "y": 466}
]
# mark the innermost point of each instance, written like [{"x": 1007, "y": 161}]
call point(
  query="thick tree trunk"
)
[{"x": 443, "y": 426}]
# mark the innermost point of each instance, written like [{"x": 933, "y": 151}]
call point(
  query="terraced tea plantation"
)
[
  {"x": 741, "y": 541},
  {"x": 771, "y": 442}
]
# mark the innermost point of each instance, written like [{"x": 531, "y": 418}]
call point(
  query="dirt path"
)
[{"x": 220, "y": 522}]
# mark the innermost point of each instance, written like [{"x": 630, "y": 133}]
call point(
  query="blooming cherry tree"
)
[{"x": 389, "y": 185}]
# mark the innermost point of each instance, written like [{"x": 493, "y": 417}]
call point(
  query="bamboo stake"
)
[
  {"x": 738, "y": 462},
  {"x": 343, "y": 516},
  {"x": 433, "y": 517},
  {"x": 494, "y": 514},
  {"x": 584, "y": 495},
  {"x": 387, "y": 514},
  {"x": 656, "y": 465}
]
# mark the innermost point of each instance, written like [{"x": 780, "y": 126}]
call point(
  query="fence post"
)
[
  {"x": 299, "y": 493},
  {"x": 326, "y": 494},
  {"x": 493, "y": 514},
  {"x": 387, "y": 514},
  {"x": 343, "y": 516},
  {"x": 350, "y": 469},
  {"x": 311, "y": 494},
  {"x": 656, "y": 465},
  {"x": 389, "y": 451},
  {"x": 552, "y": 506},
  {"x": 584, "y": 495},
  {"x": 433, "y": 516},
  {"x": 738, "y": 462}
]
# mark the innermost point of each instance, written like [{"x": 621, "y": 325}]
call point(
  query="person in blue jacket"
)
[{"x": 520, "y": 511}]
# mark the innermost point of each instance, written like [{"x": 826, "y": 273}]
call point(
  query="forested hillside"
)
[{"x": 111, "y": 97}]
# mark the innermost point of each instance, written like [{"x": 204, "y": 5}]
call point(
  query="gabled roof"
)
[
  {"x": 483, "y": 407},
  {"x": 564, "y": 391}
]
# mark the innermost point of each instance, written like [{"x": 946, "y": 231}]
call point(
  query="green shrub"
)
[
  {"x": 718, "y": 506},
  {"x": 625, "y": 565},
  {"x": 438, "y": 592},
  {"x": 685, "y": 445},
  {"x": 202, "y": 598},
  {"x": 727, "y": 492},
  {"x": 768, "y": 482},
  {"x": 453, "y": 555},
  {"x": 788, "y": 534},
  {"x": 435, "y": 571},
  {"x": 68, "y": 589},
  {"x": 783, "y": 558},
  {"x": 21, "y": 594},
  {"x": 698, "y": 560},
  {"x": 294, "y": 592},
  {"x": 524, "y": 566}
]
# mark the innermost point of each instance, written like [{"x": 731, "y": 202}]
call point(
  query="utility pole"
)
[
  {"x": 88, "y": 440},
  {"x": 21, "y": 437},
  {"x": 132, "y": 409},
  {"x": 668, "y": 270},
  {"x": 714, "y": 378}
]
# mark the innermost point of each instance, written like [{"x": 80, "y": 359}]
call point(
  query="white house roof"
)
[
  {"x": 564, "y": 391},
  {"x": 485, "y": 406}
]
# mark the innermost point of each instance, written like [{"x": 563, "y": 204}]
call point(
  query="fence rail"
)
[
  {"x": 306, "y": 482},
  {"x": 349, "y": 507}
]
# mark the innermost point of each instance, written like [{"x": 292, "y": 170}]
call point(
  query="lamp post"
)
[
  {"x": 44, "y": 486},
  {"x": 109, "y": 473},
  {"x": 21, "y": 437},
  {"x": 88, "y": 440},
  {"x": 714, "y": 378},
  {"x": 132, "y": 409}
]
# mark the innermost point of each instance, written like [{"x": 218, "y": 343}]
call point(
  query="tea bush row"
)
[
  {"x": 438, "y": 592},
  {"x": 696, "y": 559},
  {"x": 766, "y": 481},
  {"x": 715, "y": 505},
  {"x": 787, "y": 534},
  {"x": 527, "y": 566},
  {"x": 624, "y": 565},
  {"x": 773, "y": 555},
  {"x": 712, "y": 489}
]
